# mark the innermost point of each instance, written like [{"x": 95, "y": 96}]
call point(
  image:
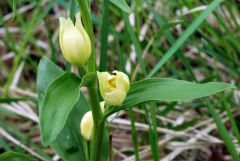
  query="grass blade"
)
[
  {"x": 104, "y": 36},
  {"x": 223, "y": 132},
  {"x": 134, "y": 134},
  {"x": 14, "y": 7},
  {"x": 11, "y": 155},
  {"x": 153, "y": 132},
  {"x": 86, "y": 17},
  {"x": 135, "y": 43},
  {"x": 233, "y": 122},
  {"x": 187, "y": 33}
]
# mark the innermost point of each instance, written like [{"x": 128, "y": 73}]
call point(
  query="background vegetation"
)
[{"x": 189, "y": 40}]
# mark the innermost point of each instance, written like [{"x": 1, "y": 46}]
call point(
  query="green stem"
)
[
  {"x": 99, "y": 124},
  {"x": 85, "y": 147},
  {"x": 96, "y": 110},
  {"x": 98, "y": 120},
  {"x": 96, "y": 149},
  {"x": 82, "y": 71},
  {"x": 85, "y": 13}
]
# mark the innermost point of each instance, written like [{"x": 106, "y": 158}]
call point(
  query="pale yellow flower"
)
[
  {"x": 113, "y": 88},
  {"x": 86, "y": 126},
  {"x": 74, "y": 41},
  {"x": 87, "y": 123}
]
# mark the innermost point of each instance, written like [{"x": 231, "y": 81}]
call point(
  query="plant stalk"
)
[
  {"x": 99, "y": 123},
  {"x": 96, "y": 149},
  {"x": 98, "y": 120},
  {"x": 87, "y": 22}
]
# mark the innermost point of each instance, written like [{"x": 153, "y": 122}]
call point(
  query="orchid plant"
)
[{"x": 73, "y": 123}]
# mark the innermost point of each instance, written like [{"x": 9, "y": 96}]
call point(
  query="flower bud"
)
[
  {"x": 74, "y": 41},
  {"x": 113, "y": 88},
  {"x": 86, "y": 124}
]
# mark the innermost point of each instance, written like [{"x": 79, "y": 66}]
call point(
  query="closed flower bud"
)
[
  {"x": 74, "y": 41},
  {"x": 86, "y": 124},
  {"x": 113, "y": 88}
]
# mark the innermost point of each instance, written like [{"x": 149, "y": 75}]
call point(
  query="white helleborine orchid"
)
[
  {"x": 74, "y": 41},
  {"x": 87, "y": 123},
  {"x": 86, "y": 126},
  {"x": 113, "y": 88}
]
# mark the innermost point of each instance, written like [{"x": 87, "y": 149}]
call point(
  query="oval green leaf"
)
[
  {"x": 47, "y": 73},
  {"x": 167, "y": 89},
  {"x": 68, "y": 144},
  {"x": 61, "y": 96}
]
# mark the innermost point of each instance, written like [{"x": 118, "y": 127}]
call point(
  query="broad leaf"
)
[
  {"x": 47, "y": 73},
  {"x": 89, "y": 79},
  {"x": 122, "y": 5},
  {"x": 68, "y": 144},
  {"x": 167, "y": 89},
  {"x": 58, "y": 102}
]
